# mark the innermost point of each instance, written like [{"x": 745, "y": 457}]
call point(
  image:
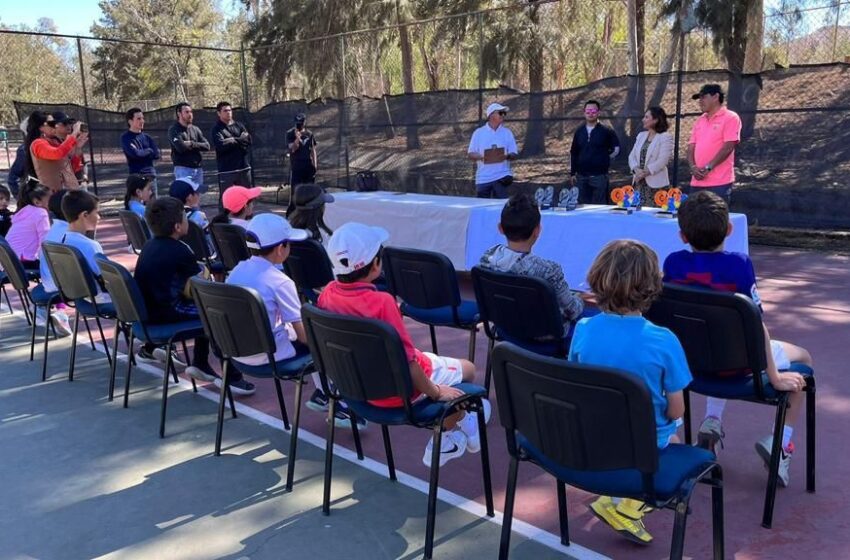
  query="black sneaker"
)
[
  {"x": 343, "y": 420},
  {"x": 202, "y": 373},
  {"x": 241, "y": 387},
  {"x": 318, "y": 401}
]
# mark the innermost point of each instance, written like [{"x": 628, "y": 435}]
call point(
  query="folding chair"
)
[
  {"x": 426, "y": 283},
  {"x": 723, "y": 332},
  {"x": 309, "y": 267},
  {"x": 236, "y": 321},
  {"x": 594, "y": 428},
  {"x": 230, "y": 244},
  {"x": 365, "y": 360},
  {"x": 136, "y": 229},
  {"x": 196, "y": 239},
  {"x": 519, "y": 309}
]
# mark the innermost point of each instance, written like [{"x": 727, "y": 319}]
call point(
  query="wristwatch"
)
[{"x": 708, "y": 167}]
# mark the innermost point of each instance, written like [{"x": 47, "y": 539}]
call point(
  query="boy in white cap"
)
[
  {"x": 355, "y": 253},
  {"x": 492, "y": 147}
]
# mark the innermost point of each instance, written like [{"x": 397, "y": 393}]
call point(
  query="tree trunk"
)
[
  {"x": 631, "y": 10},
  {"x": 755, "y": 36},
  {"x": 407, "y": 78},
  {"x": 640, "y": 35},
  {"x": 535, "y": 130}
]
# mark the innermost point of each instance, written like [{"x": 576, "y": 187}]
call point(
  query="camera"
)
[{"x": 84, "y": 127}]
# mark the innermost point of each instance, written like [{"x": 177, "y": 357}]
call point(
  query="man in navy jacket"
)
[
  {"x": 139, "y": 148},
  {"x": 594, "y": 146}
]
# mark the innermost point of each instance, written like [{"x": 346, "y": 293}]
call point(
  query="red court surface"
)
[{"x": 807, "y": 301}]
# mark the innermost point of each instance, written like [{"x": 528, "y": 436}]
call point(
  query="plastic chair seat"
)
[
  {"x": 42, "y": 297},
  {"x": 545, "y": 348},
  {"x": 676, "y": 464},
  {"x": 741, "y": 387},
  {"x": 286, "y": 369},
  {"x": 103, "y": 309},
  {"x": 162, "y": 333},
  {"x": 467, "y": 313},
  {"x": 425, "y": 411}
]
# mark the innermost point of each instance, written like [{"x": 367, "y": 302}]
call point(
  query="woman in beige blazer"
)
[{"x": 650, "y": 155}]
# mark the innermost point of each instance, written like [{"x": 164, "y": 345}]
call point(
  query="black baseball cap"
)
[
  {"x": 708, "y": 89},
  {"x": 300, "y": 118},
  {"x": 62, "y": 118},
  {"x": 310, "y": 196}
]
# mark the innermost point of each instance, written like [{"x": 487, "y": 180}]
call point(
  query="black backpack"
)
[{"x": 367, "y": 181}]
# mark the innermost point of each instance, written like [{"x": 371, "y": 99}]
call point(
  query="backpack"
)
[{"x": 367, "y": 181}]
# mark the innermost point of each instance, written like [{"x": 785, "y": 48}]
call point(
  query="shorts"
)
[
  {"x": 445, "y": 371},
  {"x": 780, "y": 358}
]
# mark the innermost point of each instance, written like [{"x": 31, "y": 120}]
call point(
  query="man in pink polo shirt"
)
[{"x": 711, "y": 149}]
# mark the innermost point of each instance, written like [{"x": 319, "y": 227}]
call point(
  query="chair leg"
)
[
  {"x": 329, "y": 456},
  {"x": 355, "y": 433},
  {"x": 563, "y": 519},
  {"x": 810, "y": 436},
  {"x": 388, "y": 448},
  {"x": 220, "y": 422},
  {"x": 431, "y": 517},
  {"x": 717, "y": 520},
  {"x": 433, "y": 338},
  {"x": 508, "y": 517},
  {"x": 773, "y": 470},
  {"x": 677, "y": 546},
  {"x": 485, "y": 462},
  {"x": 113, "y": 363},
  {"x": 231, "y": 401},
  {"x": 103, "y": 340},
  {"x": 488, "y": 367},
  {"x": 164, "y": 405},
  {"x": 30, "y": 317},
  {"x": 88, "y": 330},
  {"x": 44, "y": 357},
  {"x": 293, "y": 435},
  {"x": 283, "y": 415},
  {"x": 188, "y": 361},
  {"x": 472, "y": 332},
  {"x": 32, "y": 335},
  {"x": 129, "y": 369},
  {"x": 74, "y": 346},
  {"x": 687, "y": 418},
  {"x": 6, "y": 295}
]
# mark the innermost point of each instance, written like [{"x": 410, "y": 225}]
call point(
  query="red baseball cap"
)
[{"x": 235, "y": 198}]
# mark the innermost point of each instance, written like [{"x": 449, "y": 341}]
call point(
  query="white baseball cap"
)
[
  {"x": 354, "y": 245},
  {"x": 268, "y": 230},
  {"x": 493, "y": 107}
]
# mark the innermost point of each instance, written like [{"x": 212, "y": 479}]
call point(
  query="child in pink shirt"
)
[{"x": 30, "y": 225}]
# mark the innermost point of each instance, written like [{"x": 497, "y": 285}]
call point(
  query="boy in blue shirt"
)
[
  {"x": 704, "y": 224},
  {"x": 81, "y": 211},
  {"x": 626, "y": 279}
]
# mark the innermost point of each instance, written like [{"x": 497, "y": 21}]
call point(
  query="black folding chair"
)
[
  {"x": 594, "y": 428},
  {"x": 197, "y": 241},
  {"x": 309, "y": 267},
  {"x": 723, "y": 332},
  {"x": 135, "y": 228},
  {"x": 236, "y": 321},
  {"x": 78, "y": 287},
  {"x": 364, "y": 360},
  {"x": 519, "y": 309},
  {"x": 426, "y": 283},
  {"x": 230, "y": 244}
]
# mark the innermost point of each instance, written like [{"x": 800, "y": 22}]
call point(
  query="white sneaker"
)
[
  {"x": 162, "y": 356},
  {"x": 764, "y": 446},
  {"x": 469, "y": 426},
  {"x": 61, "y": 323},
  {"x": 40, "y": 317},
  {"x": 452, "y": 446}
]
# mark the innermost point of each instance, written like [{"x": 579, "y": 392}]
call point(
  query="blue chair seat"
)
[
  {"x": 87, "y": 308},
  {"x": 286, "y": 369},
  {"x": 544, "y": 348},
  {"x": 676, "y": 463},
  {"x": 467, "y": 313},
  {"x": 162, "y": 333},
  {"x": 425, "y": 411},
  {"x": 740, "y": 387},
  {"x": 42, "y": 297}
]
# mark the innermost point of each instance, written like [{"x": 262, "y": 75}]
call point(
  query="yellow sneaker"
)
[
  {"x": 633, "y": 509},
  {"x": 632, "y": 529}
]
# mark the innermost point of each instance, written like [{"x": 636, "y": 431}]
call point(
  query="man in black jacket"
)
[
  {"x": 594, "y": 146},
  {"x": 302, "y": 155},
  {"x": 232, "y": 141},
  {"x": 187, "y": 143}
]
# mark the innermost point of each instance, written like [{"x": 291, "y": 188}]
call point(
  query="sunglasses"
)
[
  {"x": 503, "y": 113},
  {"x": 51, "y": 124}
]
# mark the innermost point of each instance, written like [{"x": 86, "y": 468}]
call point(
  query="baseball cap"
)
[
  {"x": 62, "y": 117},
  {"x": 354, "y": 245},
  {"x": 181, "y": 189},
  {"x": 708, "y": 89},
  {"x": 236, "y": 197},
  {"x": 493, "y": 107},
  {"x": 300, "y": 118},
  {"x": 311, "y": 196},
  {"x": 269, "y": 230}
]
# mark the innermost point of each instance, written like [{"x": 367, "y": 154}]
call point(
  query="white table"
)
[
  {"x": 573, "y": 239},
  {"x": 420, "y": 221}
]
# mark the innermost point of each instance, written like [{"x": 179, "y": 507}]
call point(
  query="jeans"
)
[
  {"x": 723, "y": 191},
  {"x": 194, "y": 174},
  {"x": 493, "y": 189},
  {"x": 592, "y": 189}
]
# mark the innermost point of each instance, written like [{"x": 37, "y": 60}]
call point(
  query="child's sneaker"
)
[
  {"x": 764, "y": 446},
  {"x": 61, "y": 323},
  {"x": 162, "y": 356},
  {"x": 240, "y": 387},
  {"x": 342, "y": 418},
  {"x": 632, "y": 529},
  {"x": 469, "y": 426},
  {"x": 710, "y": 434},
  {"x": 318, "y": 401},
  {"x": 202, "y": 373},
  {"x": 633, "y": 509},
  {"x": 452, "y": 446}
]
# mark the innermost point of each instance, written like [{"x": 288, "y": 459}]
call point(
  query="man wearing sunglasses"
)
[
  {"x": 492, "y": 147},
  {"x": 594, "y": 146}
]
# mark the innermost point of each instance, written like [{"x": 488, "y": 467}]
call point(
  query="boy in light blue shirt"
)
[{"x": 81, "y": 210}]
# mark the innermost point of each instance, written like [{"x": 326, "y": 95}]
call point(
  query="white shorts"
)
[
  {"x": 780, "y": 358},
  {"x": 445, "y": 371}
]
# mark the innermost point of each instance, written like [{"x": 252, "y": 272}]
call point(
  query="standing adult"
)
[
  {"x": 711, "y": 149},
  {"x": 594, "y": 146},
  {"x": 187, "y": 145},
  {"x": 139, "y": 148},
  {"x": 76, "y": 160},
  {"x": 492, "y": 147},
  {"x": 48, "y": 157},
  {"x": 650, "y": 155},
  {"x": 302, "y": 156},
  {"x": 232, "y": 142},
  {"x": 18, "y": 170}
]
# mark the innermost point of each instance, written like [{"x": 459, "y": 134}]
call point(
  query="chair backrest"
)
[
  {"x": 70, "y": 272},
  {"x": 521, "y": 307},
  {"x": 136, "y": 229},
  {"x": 309, "y": 266},
  {"x": 12, "y": 266},
  {"x": 364, "y": 358},
  {"x": 197, "y": 241},
  {"x": 234, "y": 318},
  {"x": 123, "y": 291},
  {"x": 230, "y": 244},
  {"x": 582, "y": 417},
  {"x": 720, "y": 331},
  {"x": 420, "y": 278}
]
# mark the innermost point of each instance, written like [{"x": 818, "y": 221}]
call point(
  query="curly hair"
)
[{"x": 625, "y": 277}]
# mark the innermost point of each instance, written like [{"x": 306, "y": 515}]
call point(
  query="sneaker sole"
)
[
  {"x": 444, "y": 457},
  {"x": 765, "y": 456},
  {"x": 315, "y": 407},
  {"x": 622, "y": 532},
  {"x": 234, "y": 389},
  {"x": 198, "y": 375}
]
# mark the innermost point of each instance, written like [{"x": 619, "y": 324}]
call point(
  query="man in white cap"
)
[
  {"x": 492, "y": 147},
  {"x": 355, "y": 253}
]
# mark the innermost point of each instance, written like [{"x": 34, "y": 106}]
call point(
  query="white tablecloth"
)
[
  {"x": 420, "y": 221},
  {"x": 573, "y": 239}
]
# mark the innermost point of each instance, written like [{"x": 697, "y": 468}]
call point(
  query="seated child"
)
[
  {"x": 57, "y": 232},
  {"x": 520, "y": 224},
  {"x": 139, "y": 191},
  {"x": 309, "y": 210},
  {"x": 704, "y": 224},
  {"x": 183, "y": 191},
  {"x": 625, "y": 279},
  {"x": 163, "y": 270},
  {"x": 30, "y": 223},
  {"x": 5, "y": 213},
  {"x": 81, "y": 210},
  {"x": 355, "y": 253},
  {"x": 238, "y": 204}
]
